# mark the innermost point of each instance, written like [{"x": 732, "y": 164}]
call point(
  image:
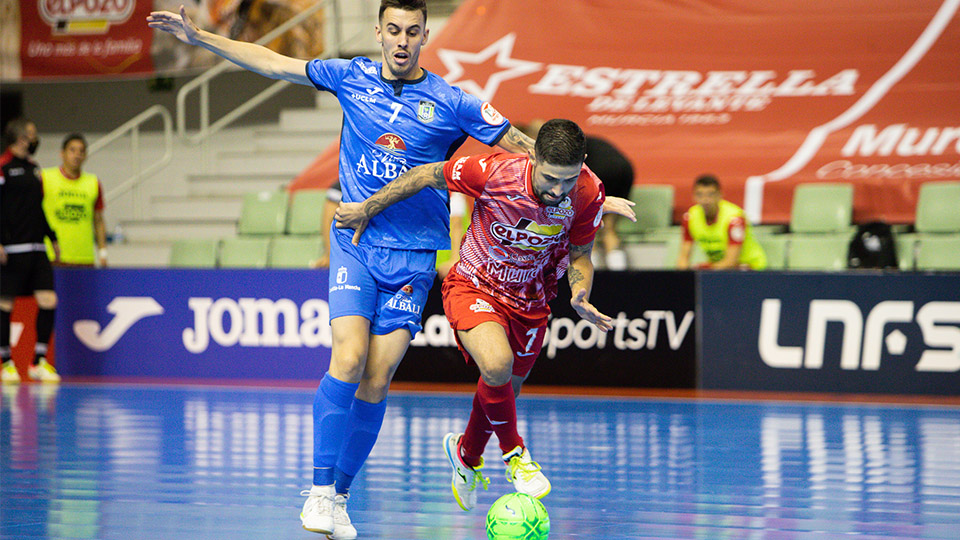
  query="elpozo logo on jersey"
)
[
  {"x": 527, "y": 234},
  {"x": 560, "y": 211}
]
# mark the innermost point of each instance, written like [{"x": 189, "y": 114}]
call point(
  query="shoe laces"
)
[
  {"x": 340, "y": 510},
  {"x": 526, "y": 469},
  {"x": 479, "y": 478},
  {"x": 318, "y": 503}
]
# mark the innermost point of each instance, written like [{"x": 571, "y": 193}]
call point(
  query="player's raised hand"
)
[
  {"x": 352, "y": 216},
  {"x": 589, "y": 313},
  {"x": 623, "y": 207},
  {"x": 179, "y": 25}
]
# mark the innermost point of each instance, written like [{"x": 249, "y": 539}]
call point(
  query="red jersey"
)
[{"x": 516, "y": 248}]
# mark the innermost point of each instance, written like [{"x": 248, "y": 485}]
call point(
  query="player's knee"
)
[
  {"x": 374, "y": 389},
  {"x": 498, "y": 373},
  {"x": 347, "y": 363}
]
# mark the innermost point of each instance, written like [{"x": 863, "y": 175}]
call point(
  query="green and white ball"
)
[{"x": 517, "y": 516}]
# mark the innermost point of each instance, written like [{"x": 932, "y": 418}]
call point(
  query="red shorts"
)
[{"x": 466, "y": 307}]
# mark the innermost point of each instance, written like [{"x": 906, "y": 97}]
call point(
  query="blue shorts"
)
[{"x": 386, "y": 286}]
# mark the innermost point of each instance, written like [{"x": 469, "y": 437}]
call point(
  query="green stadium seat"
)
[
  {"x": 263, "y": 213},
  {"x": 938, "y": 208},
  {"x": 193, "y": 253},
  {"x": 654, "y": 208},
  {"x": 294, "y": 251},
  {"x": 244, "y": 252},
  {"x": 775, "y": 246},
  {"x": 821, "y": 208},
  {"x": 818, "y": 251},
  {"x": 697, "y": 256},
  {"x": 767, "y": 230},
  {"x": 938, "y": 252},
  {"x": 906, "y": 251},
  {"x": 306, "y": 211}
]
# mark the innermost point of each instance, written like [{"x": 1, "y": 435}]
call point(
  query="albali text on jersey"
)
[
  {"x": 516, "y": 248},
  {"x": 22, "y": 222},
  {"x": 391, "y": 126}
]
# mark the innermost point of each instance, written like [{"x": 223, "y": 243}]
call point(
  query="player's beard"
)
[{"x": 408, "y": 69}]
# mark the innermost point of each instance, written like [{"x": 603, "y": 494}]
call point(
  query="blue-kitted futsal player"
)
[{"x": 396, "y": 116}]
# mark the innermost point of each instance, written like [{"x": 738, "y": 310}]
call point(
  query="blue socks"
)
[
  {"x": 363, "y": 427},
  {"x": 331, "y": 404}
]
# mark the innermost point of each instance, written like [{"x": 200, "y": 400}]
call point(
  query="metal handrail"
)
[
  {"x": 203, "y": 82},
  {"x": 133, "y": 127}
]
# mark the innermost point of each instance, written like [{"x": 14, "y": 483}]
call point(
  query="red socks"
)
[
  {"x": 477, "y": 434},
  {"x": 494, "y": 408}
]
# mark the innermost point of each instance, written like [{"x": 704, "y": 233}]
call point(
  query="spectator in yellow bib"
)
[
  {"x": 73, "y": 203},
  {"x": 721, "y": 230}
]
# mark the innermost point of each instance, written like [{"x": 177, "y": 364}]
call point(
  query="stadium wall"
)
[{"x": 818, "y": 332}]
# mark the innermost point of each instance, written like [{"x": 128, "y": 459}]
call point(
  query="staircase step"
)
[
  {"x": 235, "y": 184},
  {"x": 311, "y": 119},
  {"x": 302, "y": 140},
  {"x": 290, "y": 162},
  {"x": 166, "y": 230},
  {"x": 188, "y": 208}
]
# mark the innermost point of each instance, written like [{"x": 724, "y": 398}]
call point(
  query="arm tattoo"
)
[
  {"x": 574, "y": 276},
  {"x": 579, "y": 251},
  {"x": 515, "y": 141},
  {"x": 408, "y": 185}
]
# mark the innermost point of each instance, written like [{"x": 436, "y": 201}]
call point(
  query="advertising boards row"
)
[{"x": 820, "y": 332}]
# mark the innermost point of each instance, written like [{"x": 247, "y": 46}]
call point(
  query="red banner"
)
[
  {"x": 70, "y": 39},
  {"x": 763, "y": 94},
  {"x": 84, "y": 37}
]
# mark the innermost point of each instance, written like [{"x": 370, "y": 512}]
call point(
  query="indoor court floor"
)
[{"x": 194, "y": 462}]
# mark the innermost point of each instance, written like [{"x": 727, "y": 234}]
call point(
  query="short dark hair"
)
[
  {"x": 73, "y": 137},
  {"x": 406, "y": 5},
  {"x": 706, "y": 180},
  {"x": 561, "y": 142},
  {"x": 15, "y": 129}
]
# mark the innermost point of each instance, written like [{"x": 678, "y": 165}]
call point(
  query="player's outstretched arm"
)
[
  {"x": 249, "y": 56},
  {"x": 623, "y": 207},
  {"x": 580, "y": 275},
  {"x": 515, "y": 141},
  {"x": 357, "y": 215}
]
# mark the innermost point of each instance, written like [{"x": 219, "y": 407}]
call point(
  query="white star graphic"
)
[{"x": 503, "y": 47}]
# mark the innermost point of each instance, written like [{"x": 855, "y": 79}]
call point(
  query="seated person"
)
[{"x": 721, "y": 230}]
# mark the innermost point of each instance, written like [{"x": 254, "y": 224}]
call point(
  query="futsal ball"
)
[{"x": 517, "y": 516}]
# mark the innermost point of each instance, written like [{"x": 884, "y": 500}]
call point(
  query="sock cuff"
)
[
  {"x": 337, "y": 391},
  {"x": 494, "y": 390},
  {"x": 370, "y": 412}
]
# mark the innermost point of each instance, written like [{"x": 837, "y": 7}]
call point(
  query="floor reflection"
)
[{"x": 202, "y": 463}]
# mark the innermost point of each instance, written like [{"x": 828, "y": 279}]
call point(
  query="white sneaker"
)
[
  {"x": 44, "y": 372},
  {"x": 317, "y": 513},
  {"x": 465, "y": 477},
  {"x": 9, "y": 373},
  {"x": 525, "y": 473},
  {"x": 342, "y": 528}
]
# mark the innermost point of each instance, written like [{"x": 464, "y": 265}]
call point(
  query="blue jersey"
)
[{"x": 392, "y": 126}]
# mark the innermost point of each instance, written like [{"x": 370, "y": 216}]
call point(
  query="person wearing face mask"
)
[
  {"x": 24, "y": 266},
  {"x": 535, "y": 219}
]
